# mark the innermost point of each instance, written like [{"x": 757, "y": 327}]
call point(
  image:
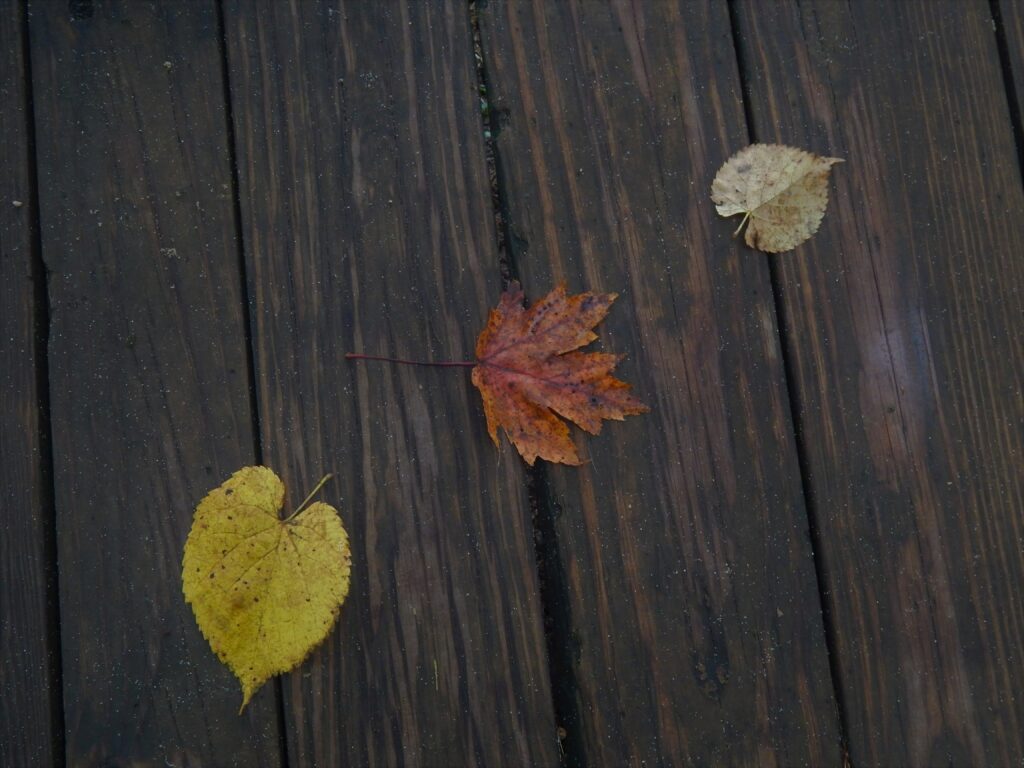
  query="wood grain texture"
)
[
  {"x": 28, "y": 704},
  {"x": 692, "y": 589},
  {"x": 904, "y": 320},
  {"x": 147, "y": 355},
  {"x": 368, "y": 228}
]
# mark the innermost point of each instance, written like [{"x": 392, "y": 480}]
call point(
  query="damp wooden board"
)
[
  {"x": 29, "y": 705},
  {"x": 904, "y": 319},
  {"x": 147, "y": 371},
  {"x": 683, "y": 608},
  {"x": 695, "y": 629},
  {"x": 368, "y": 227}
]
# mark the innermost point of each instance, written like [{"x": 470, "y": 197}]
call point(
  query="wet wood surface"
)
[
  {"x": 904, "y": 320},
  {"x": 29, "y": 704},
  {"x": 691, "y": 585},
  {"x": 809, "y": 552},
  {"x": 368, "y": 228},
  {"x": 148, "y": 372}
]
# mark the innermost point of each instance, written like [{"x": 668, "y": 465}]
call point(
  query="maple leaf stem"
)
[
  {"x": 439, "y": 364},
  {"x": 309, "y": 498}
]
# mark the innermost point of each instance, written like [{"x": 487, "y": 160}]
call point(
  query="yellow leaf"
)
[
  {"x": 265, "y": 591},
  {"x": 782, "y": 191}
]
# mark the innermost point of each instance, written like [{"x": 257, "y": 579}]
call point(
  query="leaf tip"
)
[{"x": 247, "y": 693}]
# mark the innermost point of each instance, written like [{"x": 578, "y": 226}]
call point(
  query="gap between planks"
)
[
  {"x": 247, "y": 309},
  {"x": 1009, "y": 84},
  {"x": 554, "y": 586},
  {"x": 823, "y": 577},
  {"x": 41, "y": 290}
]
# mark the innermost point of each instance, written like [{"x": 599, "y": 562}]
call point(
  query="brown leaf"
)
[
  {"x": 527, "y": 372},
  {"x": 782, "y": 191}
]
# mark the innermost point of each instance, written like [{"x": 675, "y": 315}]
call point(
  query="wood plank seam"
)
[
  {"x": 1011, "y": 86},
  {"x": 587, "y": 124},
  {"x": 904, "y": 340},
  {"x": 40, "y": 343},
  {"x": 42, "y": 299},
  {"x": 491, "y": 127},
  {"x": 551, "y": 575},
  {"x": 146, "y": 368},
  {"x": 247, "y": 320},
  {"x": 348, "y": 161},
  {"x": 793, "y": 399}
]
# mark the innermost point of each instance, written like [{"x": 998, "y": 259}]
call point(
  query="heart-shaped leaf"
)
[{"x": 265, "y": 590}]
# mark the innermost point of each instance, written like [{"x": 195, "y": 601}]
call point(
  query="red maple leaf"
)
[{"x": 529, "y": 372}]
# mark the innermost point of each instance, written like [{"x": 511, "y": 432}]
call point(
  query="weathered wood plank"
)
[
  {"x": 904, "y": 320},
  {"x": 368, "y": 227},
  {"x": 148, "y": 380},
  {"x": 28, "y": 726},
  {"x": 692, "y": 589}
]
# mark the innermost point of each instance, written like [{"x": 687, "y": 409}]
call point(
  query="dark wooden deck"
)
[{"x": 811, "y": 551}]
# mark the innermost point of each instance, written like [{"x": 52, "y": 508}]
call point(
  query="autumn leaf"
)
[
  {"x": 527, "y": 372},
  {"x": 782, "y": 191},
  {"x": 265, "y": 591}
]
